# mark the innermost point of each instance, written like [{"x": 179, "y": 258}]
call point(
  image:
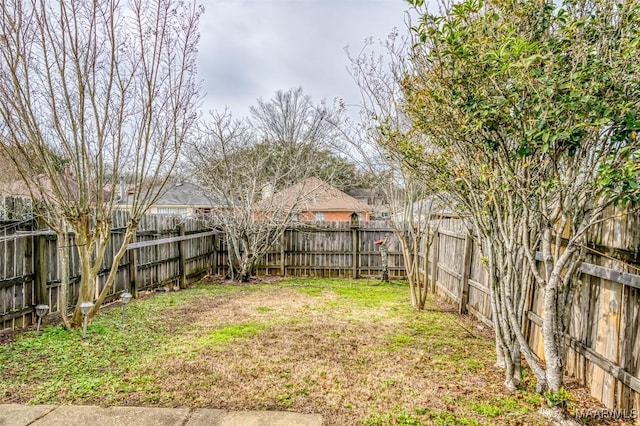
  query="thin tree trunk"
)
[
  {"x": 63, "y": 240},
  {"x": 552, "y": 355},
  {"x": 114, "y": 269}
]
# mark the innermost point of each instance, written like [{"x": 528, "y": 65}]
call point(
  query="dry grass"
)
[
  {"x": 352, "y": 351},
  {"x": 332, "y": 350}
]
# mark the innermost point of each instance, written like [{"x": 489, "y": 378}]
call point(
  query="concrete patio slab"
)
[
  {"x": 22, "y": 415},
  {"x": 81, "y": 415},
  {"x": 113, "y": 416}
]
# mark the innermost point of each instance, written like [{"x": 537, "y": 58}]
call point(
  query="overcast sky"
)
[{"x": 251, "y": 48}]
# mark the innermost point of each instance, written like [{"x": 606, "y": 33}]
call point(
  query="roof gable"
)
[
  {"x": 185, "y": 194},
  {"x": 314, "y": 195}
]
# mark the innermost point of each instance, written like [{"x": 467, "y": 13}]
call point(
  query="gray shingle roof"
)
[{"x": 184, "y": 194}]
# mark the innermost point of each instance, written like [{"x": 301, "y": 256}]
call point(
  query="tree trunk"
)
[
  {"x": 63, "y": 241},
  {"x": 385, "y": 259},
  {"x": 552, "y": 354},
  {"x": 87, "y": 291}
]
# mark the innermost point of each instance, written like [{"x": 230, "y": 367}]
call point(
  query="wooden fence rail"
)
[
  {"x": 603, "y": 345},
  {"x": 167, "y": 252}
]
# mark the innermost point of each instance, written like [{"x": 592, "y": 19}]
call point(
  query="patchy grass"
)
[
  {"x": 231, "y": 332},
  {"x": 353, "y": 351}
]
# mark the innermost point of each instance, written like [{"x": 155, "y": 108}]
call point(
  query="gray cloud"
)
[{"x": 250, "y": 49}]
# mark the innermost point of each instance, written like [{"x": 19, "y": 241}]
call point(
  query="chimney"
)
[
  {"x": 67, "y": 170},
  {"x": 267, "y": 191},
  {"x": 121, "y": 192}
]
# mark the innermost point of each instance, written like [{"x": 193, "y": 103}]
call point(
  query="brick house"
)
[{"x": 314, "y": 200}]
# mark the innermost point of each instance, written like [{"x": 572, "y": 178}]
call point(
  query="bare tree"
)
[
  {"x": 244, "y": 163},
  {"x": 109, "y": 88},
  {"x": 413, "y": 203}
]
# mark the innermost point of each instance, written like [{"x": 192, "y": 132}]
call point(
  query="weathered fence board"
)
[
  {"x": 30, "y": 272},
  {"x": 603, "y": 349}
]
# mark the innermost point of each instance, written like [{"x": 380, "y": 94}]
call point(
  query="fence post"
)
[
  {"x": 40, "y": 267},
  {"x": 354, "y": 248},
  {"x": 466, "y": 271},
  {"x": 181, "y": 258},
  {"x": 133, "y": 268},
  {"x": 526, "y": 327},
  {"x": 434, "y": 261},
  {"x": 283, "y": 246},
  {"x": 214, "y": 255}
]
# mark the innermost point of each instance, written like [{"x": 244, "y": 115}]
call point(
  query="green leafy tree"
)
[{"x": 532, "y": 110}]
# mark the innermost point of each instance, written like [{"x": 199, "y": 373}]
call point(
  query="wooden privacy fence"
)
[
  {"x": 328, "y": 249},
  {"x": 167, "y": 251},
  {"x": 603, "y": 337}
]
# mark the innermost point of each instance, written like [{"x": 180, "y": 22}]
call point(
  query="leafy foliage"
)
[
  {"x": 528, "y": 113},
  {"x": 549, "y": 89}
]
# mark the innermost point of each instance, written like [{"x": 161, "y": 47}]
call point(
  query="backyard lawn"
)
[{"x": 353, "y": 351}]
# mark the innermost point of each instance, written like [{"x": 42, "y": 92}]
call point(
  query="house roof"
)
[
  {"x": 441, "y": 204},
  {"x": 314, "y": 195},
  {"x": 360, "y": 192},
  {"x": 42, "y": 185},
  {"x": 183, "y": 194},
  {"x": 186, "y": 194}
]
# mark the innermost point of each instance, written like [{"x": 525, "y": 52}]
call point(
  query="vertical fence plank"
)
[
  {"x": 133, "y": 269},
  {"x": 466, "y": 271},
  {"x": 214, "y": 256},
  {"x": 40, "y": 255},
  {"x": 354, "y": 250},
  {"x": 283, "y": 248},
  {"x": 434, "y": 261},
  {"x": 181, "y": 258}
]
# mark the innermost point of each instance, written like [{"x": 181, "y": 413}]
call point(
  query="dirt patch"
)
[{"x": 7, "y": 336}]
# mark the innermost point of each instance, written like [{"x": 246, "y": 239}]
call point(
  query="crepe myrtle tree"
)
[
  {"x": 244, "y": 163},
  {"x": 534, "y": 109},
  {"x": 413, "y": 202},
  {"x": 455, "y": 172},
  {"x": 109, "y": 87}
]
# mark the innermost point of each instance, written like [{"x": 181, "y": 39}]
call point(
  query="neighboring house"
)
[
  {"x": 315, "y": 200},
  {"x": 374, "y": 198},
  {"x": 43, "y": 187},
  {"x": 182, "y": 199},
  {"x": 441, "y": 206}
]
